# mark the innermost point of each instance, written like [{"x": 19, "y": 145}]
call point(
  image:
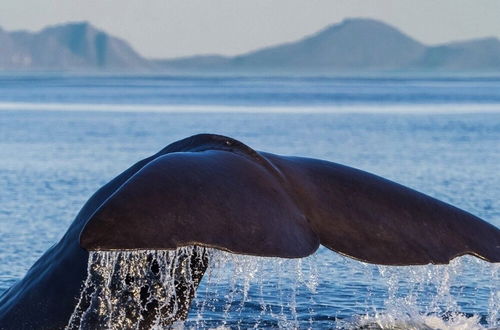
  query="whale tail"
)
[{"x": 214, "y": 191}]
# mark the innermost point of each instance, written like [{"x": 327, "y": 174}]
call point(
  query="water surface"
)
[{"x": 52, "y": 161}]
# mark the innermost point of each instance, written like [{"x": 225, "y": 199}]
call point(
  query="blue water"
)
[
  {"x": 246, "y": 91},
  {"x": 52, "y": 161}
]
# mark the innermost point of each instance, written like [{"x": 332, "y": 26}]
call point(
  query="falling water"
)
[
  {"x": 429, "y": 297},
  {"x": 138, "y": 289}
]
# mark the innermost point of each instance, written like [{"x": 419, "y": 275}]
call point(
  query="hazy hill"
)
[
  {"x": 472, "y": 55},
  {"x": 352, "y": 46},
  {"x": 195, "y": 63},
  {"x": 74, "y": 46}
]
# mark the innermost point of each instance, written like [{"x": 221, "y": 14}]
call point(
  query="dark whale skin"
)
[{"x": 223, "y": 194}]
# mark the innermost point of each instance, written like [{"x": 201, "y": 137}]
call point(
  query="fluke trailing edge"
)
[{"x": 213, "y": 191}]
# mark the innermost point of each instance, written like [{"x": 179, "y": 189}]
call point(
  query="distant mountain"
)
[
  {"x": 74, "y": 46},
  {"x": 472, "y": 55},
  {"x": 352, "y": 46}
]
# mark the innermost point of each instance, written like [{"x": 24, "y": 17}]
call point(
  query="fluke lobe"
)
[{"x": 214, "y": 191}]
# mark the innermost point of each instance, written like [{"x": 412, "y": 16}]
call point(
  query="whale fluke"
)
[{"x": 214, "y": 191}]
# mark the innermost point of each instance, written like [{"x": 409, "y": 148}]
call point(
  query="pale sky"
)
[{"x": 171, "y": 28}]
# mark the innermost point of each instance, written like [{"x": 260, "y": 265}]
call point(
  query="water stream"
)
[{"x": 153, "y": 289}]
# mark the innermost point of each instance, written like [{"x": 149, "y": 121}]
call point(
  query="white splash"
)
[
  {"x": 427, "y": 297},
  {"x": 417, "y": 322}
]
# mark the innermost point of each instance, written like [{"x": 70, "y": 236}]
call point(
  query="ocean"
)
[{"x": 64, "y": 136}]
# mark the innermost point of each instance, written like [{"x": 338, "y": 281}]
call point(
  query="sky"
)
[{"x": 174, "y": 28}]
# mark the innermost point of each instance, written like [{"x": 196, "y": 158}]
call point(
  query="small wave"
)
[
  {"x": 416, "y": 322},
  {"x": 184, "y": 108}
]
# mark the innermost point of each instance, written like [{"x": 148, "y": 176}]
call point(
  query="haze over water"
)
[{"x": 62, "y": 137}]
